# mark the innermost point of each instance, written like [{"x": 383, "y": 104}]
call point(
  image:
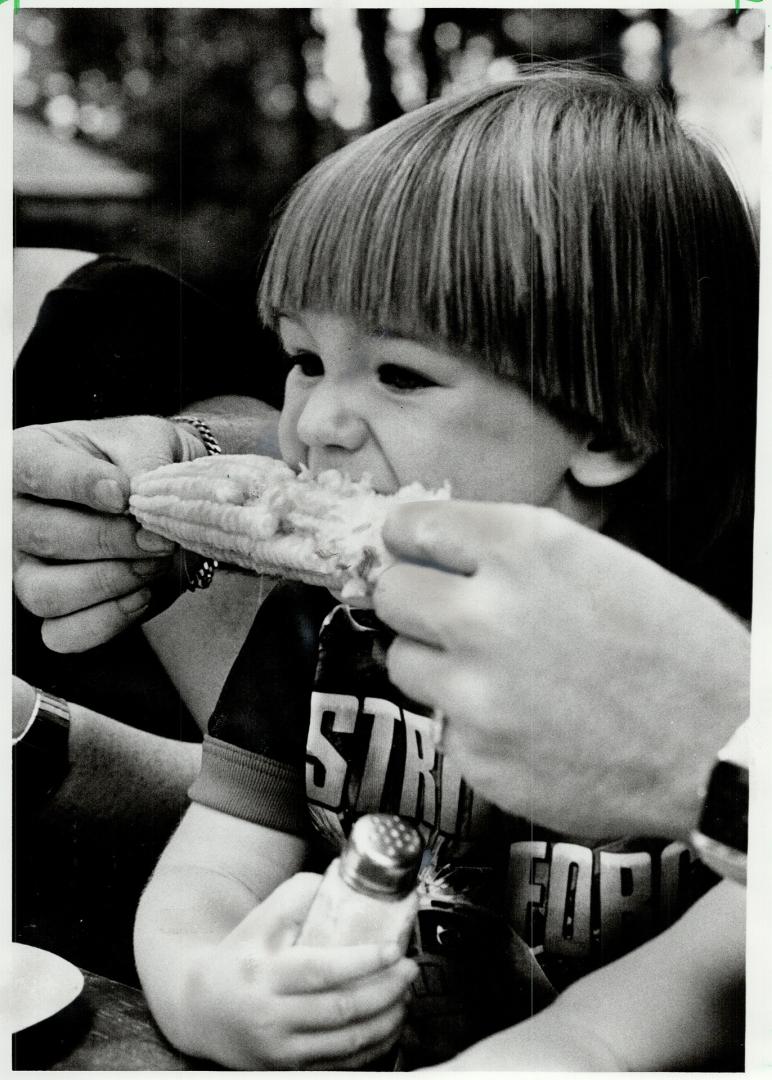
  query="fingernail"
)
[
  {"x": 145, "y": 568},
  {"x": 150, "y": 541},
  {"x": 110, "y": 494},
  {"x": 129, "y": 605}
]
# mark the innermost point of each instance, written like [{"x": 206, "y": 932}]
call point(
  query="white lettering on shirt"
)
[
  {"x": 342, "y": 708},
  {"x": 568, "y": 930},
  {"x": 625, "y": 900}
]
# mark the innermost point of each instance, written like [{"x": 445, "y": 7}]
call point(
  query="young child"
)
[{"x": 543, "y": 293}]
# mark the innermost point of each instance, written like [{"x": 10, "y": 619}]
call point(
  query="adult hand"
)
[
  {"x": 585, "y": 686},
  {"x": 80, "y": 562}
]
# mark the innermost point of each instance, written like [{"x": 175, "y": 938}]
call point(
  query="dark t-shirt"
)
[{"x": 309, "y": 733}]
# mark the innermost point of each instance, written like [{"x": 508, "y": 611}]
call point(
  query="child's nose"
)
[{"x": 329, "y": 418}]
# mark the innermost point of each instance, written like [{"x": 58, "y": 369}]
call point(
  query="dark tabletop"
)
[{"x": 108, "y": 1027}]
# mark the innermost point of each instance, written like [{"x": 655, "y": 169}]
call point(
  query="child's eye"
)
[
  {"x": 403, "y": 378},
  {"x": 309, "y": 363}
]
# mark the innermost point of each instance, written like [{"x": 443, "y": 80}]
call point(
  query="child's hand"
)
[
  {"x": 257, "y": 1002},
  {"x": 585, "y": 686}
]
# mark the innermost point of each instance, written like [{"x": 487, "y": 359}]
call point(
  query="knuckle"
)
[
  {"x": 448, "y": 624},
  {"x": 466, "y": 691},
  {"x": 479, "y": 608},
  {"x": 105, "y": 579},
  {"x": 528, "y": 536},
  {"x": 105, "y": 538},
  {"x": 32, "y": 535}
]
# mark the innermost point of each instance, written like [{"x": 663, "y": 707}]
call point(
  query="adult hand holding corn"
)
[
  {"x": 584, "y": 684},
  {"x": 79, "y": 561}
]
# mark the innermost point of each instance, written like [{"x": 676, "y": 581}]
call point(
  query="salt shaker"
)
[{"x": 368, "y": 895}]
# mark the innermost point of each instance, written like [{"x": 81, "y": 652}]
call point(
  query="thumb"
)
[
  {"x": 95, "y": 483},
  {"x": 276, "y": 921},
  {"x": 46, "y": 469},
  {"x": 449, "y": 535}
]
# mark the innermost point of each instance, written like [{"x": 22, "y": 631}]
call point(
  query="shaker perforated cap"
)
[{"x": 382, "y": 855}]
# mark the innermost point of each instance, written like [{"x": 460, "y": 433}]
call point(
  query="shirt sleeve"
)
[{"x": 253, "y": 762}]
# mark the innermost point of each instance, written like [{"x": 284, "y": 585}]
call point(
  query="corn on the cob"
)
[{"x": 257, "y": 513}]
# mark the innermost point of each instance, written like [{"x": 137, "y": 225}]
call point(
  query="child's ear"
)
[{"x": 598, "y": 464}]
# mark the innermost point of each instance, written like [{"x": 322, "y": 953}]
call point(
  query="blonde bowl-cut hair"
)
[{"x": 565, "y": 231}]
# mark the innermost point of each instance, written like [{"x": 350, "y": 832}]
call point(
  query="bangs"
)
[
  {"x": 550, "y": 229},
  {"x": 395, "y": 230}
]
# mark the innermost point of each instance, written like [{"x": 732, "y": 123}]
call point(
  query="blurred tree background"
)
[{"x": 205, "y": 117}]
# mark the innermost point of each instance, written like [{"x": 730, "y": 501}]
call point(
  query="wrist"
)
[
  {"x": 720, "y": 837},
  {"x": 24, "y": 705},
  {"x": 192, "y": 439},
  {"x": 41, "y": 758},
  {"x": 199, "y": 570},
  {"x": 242, "y": 425}
]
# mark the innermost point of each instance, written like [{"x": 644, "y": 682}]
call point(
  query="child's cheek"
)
[{"x": 293, "y": 451}]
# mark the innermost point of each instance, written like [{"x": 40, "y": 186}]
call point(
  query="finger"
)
[
  {"x": 94, "y": 625},
  {"x": 440, "y": 682},
  {"x": 419, "y": 601},
  {"x": 307, "y": 969},
  {"x": 445, "y": 534},
  {"x": 59, "y": 532},
  {"x": 51, "y": 591},
  {"x": 48, "y": 469},
  {"x": 419, "y": 671},
  {"x": 354, "y": 1043},
  {"x": 276, "y": 921},
  {"x": 371, "y": 1056},
  {"x": 354, "y": 1002}
]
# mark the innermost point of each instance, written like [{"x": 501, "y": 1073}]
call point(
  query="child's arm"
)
[
  {"x": 673, "y": 1004},
  {"x": 221, "y": 975}
]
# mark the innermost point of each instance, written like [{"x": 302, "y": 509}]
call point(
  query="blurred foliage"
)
[{"x": 224, "y": 109}]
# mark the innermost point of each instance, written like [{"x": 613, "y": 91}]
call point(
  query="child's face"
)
[{"x": 403, "y": 411}]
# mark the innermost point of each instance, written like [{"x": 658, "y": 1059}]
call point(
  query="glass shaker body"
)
[{"x": 368, "y": 895}]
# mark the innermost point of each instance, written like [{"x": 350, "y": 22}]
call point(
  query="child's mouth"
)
[{"x": 354, "y": 474}]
